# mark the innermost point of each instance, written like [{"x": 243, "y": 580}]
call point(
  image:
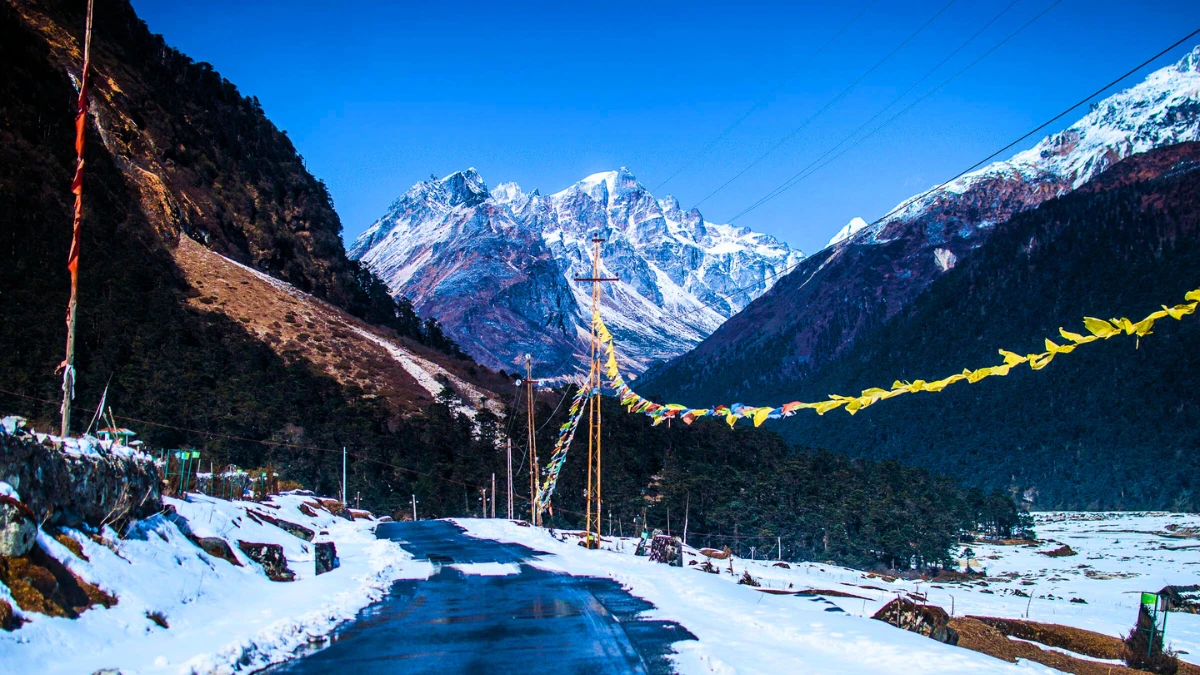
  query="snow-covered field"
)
[
  {"x": 220, "y": 617},
  {"x": 741, "y": 629}
]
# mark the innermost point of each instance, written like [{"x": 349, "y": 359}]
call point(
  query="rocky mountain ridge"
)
[{"x": 497, "y": 267}]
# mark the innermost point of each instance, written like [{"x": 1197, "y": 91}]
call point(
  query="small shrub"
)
[
  {"x": 158, "y": 618},
  {"x": 748, "y": 580}
]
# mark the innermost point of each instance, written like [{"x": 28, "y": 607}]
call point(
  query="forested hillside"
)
[
  {"x": 162, "y": 360},
  {"x": 1115, "y": 424}
]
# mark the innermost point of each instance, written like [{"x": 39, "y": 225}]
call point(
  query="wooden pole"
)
[
  {"x": 535, "y": 490},
  {"x": 595, "y": 466},
  {"x": 493, "y": 495},
  {"x": 508, "y": 452},
  {"x": 68, "y": 364}
]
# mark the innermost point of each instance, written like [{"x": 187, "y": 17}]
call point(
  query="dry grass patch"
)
[
  {"x": 41, "y": 584},
  {"x": 978, "y": 636},
  {"x": 1078, "y": 640}
]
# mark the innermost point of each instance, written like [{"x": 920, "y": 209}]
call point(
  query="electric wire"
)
[
  {"x": 803, "y": 125},
  {"x": 904, "y": 204},
  {"x": 897, "y": 99},
  {"x": 763, "y": 101}
]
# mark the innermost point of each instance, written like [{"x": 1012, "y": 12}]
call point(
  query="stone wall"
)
[{"x": 71, "y": 484}]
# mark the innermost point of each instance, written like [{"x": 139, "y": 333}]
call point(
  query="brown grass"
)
[
  {"x": 301, "y": 328},
  {"x": 1078, "y": 640},
  {"x": 989, "y": 635},
  {"x": 70, "y": 543},
  {"x": 979, "y": 636},
  {"x": 9, "y": 621},
  {"x": 830, "y": 593},
  {"x": 158, "y": 618},
  {"x": 41, "y": 584},
  {"x": 1060, "y": 552}
]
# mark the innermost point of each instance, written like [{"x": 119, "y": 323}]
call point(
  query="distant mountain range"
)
[
  {"x": 868, "y": 273},
  {"x": 497, "y": 267}
]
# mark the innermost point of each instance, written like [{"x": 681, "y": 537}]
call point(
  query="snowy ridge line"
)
[
  {"x": 78, "y": 446},
  {"x": 1150, "y": 114}
]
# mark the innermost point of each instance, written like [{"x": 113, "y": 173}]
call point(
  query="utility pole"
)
[
  {"x": 414, "y": 504},
  {"x": 535, "y": 488},
  {"x": 493, "y": 495},
  {"x": 779, "y": 542},
  {"x": 343, "y": 474},
  {"x": 68, "y": 365},
  {"x": 592, "y": 522},
  {"x": 508, "y": 452},
  {"x": 687, "y": 505}
]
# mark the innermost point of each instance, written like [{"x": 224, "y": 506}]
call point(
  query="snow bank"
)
[{"x": 222, "y": 618}]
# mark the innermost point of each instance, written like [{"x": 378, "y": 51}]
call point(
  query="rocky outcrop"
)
[
  {"x": 39, "y": 583},
  {"x": 325, "y": 556},
  {"x": 271, "y": 557},
  {"x": 291, "y": 528},
  {"x": 928, "y": 620},
  {"x": 18, "y": 529},
  {"x": 217, "y": 548},
  {"x": 72, "y": 483}
]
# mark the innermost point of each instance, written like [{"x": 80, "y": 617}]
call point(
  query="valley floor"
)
[
  {"x": 225, "y": 619},
  {"x": 741, "y": 629}
]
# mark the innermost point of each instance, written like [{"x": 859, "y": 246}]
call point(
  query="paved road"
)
[{"x": 534, "y": 621}]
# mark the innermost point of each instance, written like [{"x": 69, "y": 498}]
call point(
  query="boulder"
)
[
  {"x": 217, "y": 548},
  {"x": 18, "y": 529},
  {"x": 325, "y": 556},
  {"x": 271, "y": 557},
  {"x": 928, "y": 620},
  {"x": 667, "y": 550},
  {"x": 287, "y": 526}
]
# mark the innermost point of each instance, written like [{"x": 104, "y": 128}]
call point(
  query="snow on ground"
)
[
  {"x": 742, "y": 630},
  {"x": 221, "y": 618}
]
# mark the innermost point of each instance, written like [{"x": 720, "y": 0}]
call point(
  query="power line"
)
[
  {"x": 908, "y": 201},
  {"x": 792, "y": 134},
  {"x": 763, "y": 101},
  {"x": 794, "y": 180},
  {"x": 785, "y": 186}
]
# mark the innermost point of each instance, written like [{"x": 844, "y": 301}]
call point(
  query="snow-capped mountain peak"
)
[
  {"x": 848, "y": 230},
  {"x": 497, "y": 268},
  {"x": 1163, "y": 109}
]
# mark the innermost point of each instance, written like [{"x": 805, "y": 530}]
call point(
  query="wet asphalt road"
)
[{"x": 532, "y": 622}]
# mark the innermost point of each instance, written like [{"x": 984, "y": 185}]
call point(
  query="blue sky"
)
[{"x": 379, "y": 95}]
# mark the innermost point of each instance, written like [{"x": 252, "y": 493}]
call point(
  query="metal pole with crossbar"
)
[{"x": 594, "y": 493}]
